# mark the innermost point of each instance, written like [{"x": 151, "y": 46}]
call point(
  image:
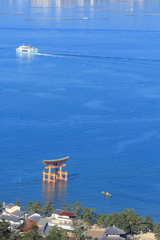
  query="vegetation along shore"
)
[{"x": 74, "y": 221}]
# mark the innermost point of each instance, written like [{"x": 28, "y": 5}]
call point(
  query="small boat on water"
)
[
  {"x": 107, "y": 194},
  {"x": 26, "y": 49}
]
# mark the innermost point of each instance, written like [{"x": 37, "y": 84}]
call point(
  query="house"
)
[
  {"x": 43, "y": 221},
  {"x": 35, "y": 216},
  {"x": 29, "y": 214},
  {"x": 12, "y": 220},
  {"x": 114, "y": 233},
  {"x": 11, "y": 208},
  {"x": 18, "y": 213},
  {"x": 63, "y": 219},
  {"x": 45, "y": 229}
]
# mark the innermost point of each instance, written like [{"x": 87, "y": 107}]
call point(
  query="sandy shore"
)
[{"x": 147, "y": 236}]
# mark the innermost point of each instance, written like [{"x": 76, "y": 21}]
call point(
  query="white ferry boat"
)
[{"x": 27, "y": 49}]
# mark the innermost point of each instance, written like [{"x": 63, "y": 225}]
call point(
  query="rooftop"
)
[
  {"x": 114, "y": 230},
  {"x": 10, "y": 205},
  {"x": 10, "y": 218},
  {"x": 57, "y": 211},
  {"x": 69, "y": 214},
  {"x": 45, "y": 229},
  {"x": 17, "y": 213}
]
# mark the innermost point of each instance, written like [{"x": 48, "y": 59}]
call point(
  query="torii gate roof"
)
[{"x": 56, "y": 161}]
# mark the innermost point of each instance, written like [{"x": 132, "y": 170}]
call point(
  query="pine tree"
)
[
  {"x": 5, "y": 233},
  {"x": 48, "y": 208}
]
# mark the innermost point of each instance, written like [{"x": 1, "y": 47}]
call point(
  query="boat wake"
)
[
  {"x": 98, "y": 58},
  {"x": 62, "y": 56}
]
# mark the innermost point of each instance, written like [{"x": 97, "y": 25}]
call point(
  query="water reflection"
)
[
  {"x": 44, "y": 3},
  {"x": 25, "y": 56},
  {"x": 56, "y": 192}
]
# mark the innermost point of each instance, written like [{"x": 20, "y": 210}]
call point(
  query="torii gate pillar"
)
[{"x": 58, "y": 173}]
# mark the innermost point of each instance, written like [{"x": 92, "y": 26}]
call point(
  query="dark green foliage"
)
[
  {"x": 67, "y": 207},
  {"x": 36, "y": 207},
  {"x": 18, "y": 203},
  {"x": 89, "y": 216},
  {"x": 102, "y": 220},
  {"x": 16, "y": 236},
  {"x": 31, "y": 236},
  {"x": 157, "y": 231},
  {"x": 5, "y": 233},
  {"x": 129, "y": 221},
  {"x": 148, "y": 223},
  {"x": 48, "y": 208},
  {"x": 79, "y": 229},
  {"x": 57, "y": 233},
  {"x": 77, "y": 208},
  {"x": 112, "y": 219}
]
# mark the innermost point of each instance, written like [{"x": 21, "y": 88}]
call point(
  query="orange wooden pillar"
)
[{"x": 58, "y": 173}]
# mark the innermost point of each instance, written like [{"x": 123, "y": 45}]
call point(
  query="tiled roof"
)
[
  {"x": 10, "y": 218},
  {"x": 114, "y": 230},
  {"x": 69, "y": 214},
  {"x": 35, "y": 217},
  {"x": 57, "y": 211},
  {"x": 17, "y": 213},
  {"x": 45, "y": 229},
  {"x": 10, "y": 205},
  {"x": 30, "y": 213},
  {"x": 43, "y": 221}
]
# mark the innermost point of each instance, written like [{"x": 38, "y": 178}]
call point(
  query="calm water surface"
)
[{"x": 95, "y": 97}]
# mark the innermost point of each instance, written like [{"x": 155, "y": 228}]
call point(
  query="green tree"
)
[
  {"x": 134, "y": 220},
  {"x": 157, "y": 231},
  {"x": 67, "y": 207},
  {"x": 31, "y": 236},
  {"x": 79, "y": 229},
  {"x": 16, "y": 236},
  {"x": 77, "y": 207},
  {"x": 5, "y": 233},
  {"x": 129, "y": 221},
  {"x": 48, "y": 208},
  {"x": 148, "y": 223},
  {"x": 34, "y": 206},
  {"x": 89, "y": 216},
  {"x": 102, "y": 220},
  {"x": 112, "y": 219},
  {"x": 57, "y": 233},
  {"x": 18, "y": 202}
]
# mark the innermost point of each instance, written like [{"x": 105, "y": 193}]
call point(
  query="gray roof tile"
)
[
  {"x": 18, "y": 213},
  {"x": 57, "y": 211},
  {"x": 10, "y": 218},
  {"x": 45, "y": 229}
]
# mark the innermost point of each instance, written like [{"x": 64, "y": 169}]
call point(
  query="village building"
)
[
  {"x": 63, "y": 217},
  {"x": 18, "y": 213},
  {"x": 12, "y": 220},
  {"x": 36, "y": 217},
  {"x": 45, "y": 229},
  {"x": 114, "y": 233},
  {"x": 11, "y": 208}
]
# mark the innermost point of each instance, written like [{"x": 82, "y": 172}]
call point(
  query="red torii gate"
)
[{"x": 58, "y": 173}]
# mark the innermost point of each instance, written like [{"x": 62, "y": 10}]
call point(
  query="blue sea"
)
[{"x": 93, "y": 93}]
